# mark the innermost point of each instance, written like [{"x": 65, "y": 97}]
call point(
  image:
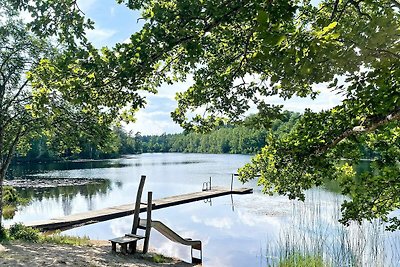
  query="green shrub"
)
[
  {"x": 11, "y": 201},
  {"x": 9, "y": 211},
  {"x": 3, "y": 234},
  {"x": 10, "y": 195},
  {"x": 19, "y": 231}
]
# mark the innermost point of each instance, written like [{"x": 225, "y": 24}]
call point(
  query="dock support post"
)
[
  {"x": 232, "y": 183},
  {"x": 135, "y": 223},
  {"x": 148, "y": 222}
]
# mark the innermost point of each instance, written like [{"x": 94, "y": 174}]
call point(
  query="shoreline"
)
[{"x": 97, "y": 253}]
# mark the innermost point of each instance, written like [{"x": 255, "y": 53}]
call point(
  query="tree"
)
[
  {"x": 35, "y": 102},
  {"x": 241, "y": 52},
  {"x": 19, "y": 52}
]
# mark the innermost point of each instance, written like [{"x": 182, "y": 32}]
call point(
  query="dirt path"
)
[{"x": 99, "y": 255}]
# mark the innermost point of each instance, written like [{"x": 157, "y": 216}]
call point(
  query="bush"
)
[
  {"x": 19, "y": 231},
  {"x": 3, "y": 234},
  {"x": 11, "y": 201},
  {"x": 9, "y": 211},
  {"x": 10, "y": 195}
]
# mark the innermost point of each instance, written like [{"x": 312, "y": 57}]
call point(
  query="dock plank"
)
[{"x": 80, "y": 219}]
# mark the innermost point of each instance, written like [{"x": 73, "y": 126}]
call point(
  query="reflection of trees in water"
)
[
  {"x": 21, "y": 170},
  {"x": 67, "y": 193},
  {"x": 66, "y": 204}
]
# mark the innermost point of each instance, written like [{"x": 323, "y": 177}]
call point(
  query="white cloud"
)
[
  {"x": 100, "y": 37},
  {"x": 86, "y": 5},
  {"x": 221, "y": 223},
  {"x": 170, "y": 91},
  {"x": 121, "y": 226},
  {"x": 155, "y": 118},
  {"x": 325, "y": 100},
  {"x": 251, "y": 219},
  {"x": 112, "y": 11},
  {"x": 148, "y": 124}
]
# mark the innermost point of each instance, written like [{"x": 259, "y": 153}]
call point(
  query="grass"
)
[
  {"x": 299, "y": 260},
  {"x": 314, "y": 237},
  {"x": 156, "y": 258},
  {"x": 27, "y": 234},
  {"x": 58, "y": 238}
]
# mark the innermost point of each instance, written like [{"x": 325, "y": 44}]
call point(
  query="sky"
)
[{"x": 114, "y": 23}]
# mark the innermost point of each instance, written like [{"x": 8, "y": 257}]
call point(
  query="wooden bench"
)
[{"x": 124, "y": 241}]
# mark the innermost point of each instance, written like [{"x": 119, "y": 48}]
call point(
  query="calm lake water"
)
[{"x": 248, "y": 230}]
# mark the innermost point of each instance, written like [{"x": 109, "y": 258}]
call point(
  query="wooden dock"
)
[{"x": 80, "y": 219}]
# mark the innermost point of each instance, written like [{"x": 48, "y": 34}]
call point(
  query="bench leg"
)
[
  {"x": 132, "y": 247},
  {"x": 113, "y": 246},
  {"x": 123, "y": 248}
]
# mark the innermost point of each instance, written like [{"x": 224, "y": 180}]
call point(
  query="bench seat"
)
[{"x": 124, "y": 241}]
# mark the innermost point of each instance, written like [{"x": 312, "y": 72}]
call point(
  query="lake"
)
[{"x": 239, "y": 230}]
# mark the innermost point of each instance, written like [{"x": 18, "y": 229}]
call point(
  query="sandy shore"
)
[{"x": 98, "y": 254}]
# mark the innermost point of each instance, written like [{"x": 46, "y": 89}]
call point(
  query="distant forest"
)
[{"x": 245, "y": 138}]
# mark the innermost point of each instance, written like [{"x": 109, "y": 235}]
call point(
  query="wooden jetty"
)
[{"x": 80, "y": 219}]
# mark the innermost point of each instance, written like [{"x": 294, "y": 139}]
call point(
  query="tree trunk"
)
[
  {"x": 2, "y": 176},
  {"x": 4, "y": 164}
]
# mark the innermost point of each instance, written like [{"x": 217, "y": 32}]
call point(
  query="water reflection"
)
[
  {"x": 313, "y": 229},
  {"x": 249, "y": 230},
  {"x": 64, "y": 195},
  {"x": 30, "y": 169},
  {"x": 89, "y": 190},
  {"x": 185, "y": 162}
]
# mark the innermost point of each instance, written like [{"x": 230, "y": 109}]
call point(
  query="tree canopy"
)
[
  {"x": 35, "y": 102},
  {"x": 242, "y": 52}
]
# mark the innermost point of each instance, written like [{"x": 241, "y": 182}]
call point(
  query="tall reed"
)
[{"x": 313, "y": 236}]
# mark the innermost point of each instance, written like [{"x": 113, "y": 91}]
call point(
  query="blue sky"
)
[{"x": 115, "y": 23}]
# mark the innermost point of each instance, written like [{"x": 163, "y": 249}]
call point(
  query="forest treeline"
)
[{"x": 235, "y": 139}]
